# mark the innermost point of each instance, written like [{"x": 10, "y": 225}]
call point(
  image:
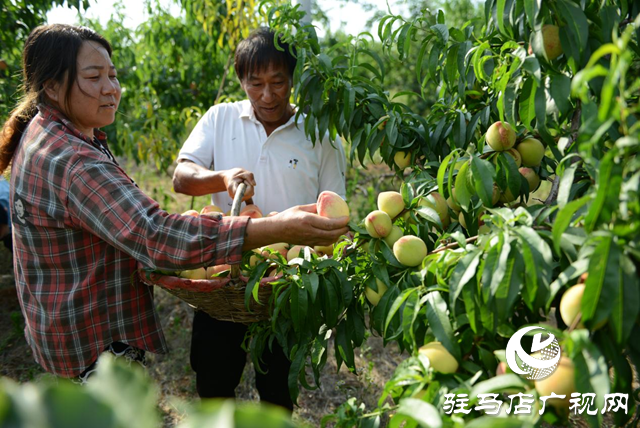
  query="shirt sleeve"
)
[
  {"x": 333, "y": 167},
  {"x": 102, "y": 200},
  {"x": 199, "y": 146}
]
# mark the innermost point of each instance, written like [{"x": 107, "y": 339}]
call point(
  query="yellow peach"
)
[
  {"x": 410, "y": 250},
  {"x": 378, "y": 224},
  {"x": 331, "y": 205},
  {"x": 391, "y": 203}
]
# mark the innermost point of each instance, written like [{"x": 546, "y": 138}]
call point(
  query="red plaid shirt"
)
[{"x": 80, "y": 227}]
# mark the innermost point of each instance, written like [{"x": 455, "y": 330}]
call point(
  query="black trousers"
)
[{"x": 218, "y": 359}]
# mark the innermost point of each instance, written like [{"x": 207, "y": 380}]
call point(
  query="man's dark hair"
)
[{"x": 258, "y": 51}]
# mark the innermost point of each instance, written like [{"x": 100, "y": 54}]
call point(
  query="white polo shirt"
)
[{"x": 289, "y": 170}]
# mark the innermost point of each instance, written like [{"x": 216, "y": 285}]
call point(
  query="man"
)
[{"x": 256, "y": 141}]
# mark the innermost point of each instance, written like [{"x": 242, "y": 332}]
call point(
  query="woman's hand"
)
[{"x": 298, "y": 225}]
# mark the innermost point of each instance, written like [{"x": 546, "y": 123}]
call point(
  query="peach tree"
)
[{"x": 521, "y": 181}]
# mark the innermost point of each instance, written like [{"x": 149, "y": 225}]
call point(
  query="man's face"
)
[{"x": 269, "y": 91}]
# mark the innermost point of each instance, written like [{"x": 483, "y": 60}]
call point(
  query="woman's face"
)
[{"x": 95, "y": 94}]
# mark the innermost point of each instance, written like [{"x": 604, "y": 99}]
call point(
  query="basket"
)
[{"x": 221, "y": 298}]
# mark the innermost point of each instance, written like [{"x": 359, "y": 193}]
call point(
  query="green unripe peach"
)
[
  {"x": 391, "y": 203},
  {"x": 532, "y": 178},
  {"x": 531, "y": 151},
  {"x": 378, "y": 224},
  {"x": 570, "y": 304},
  {"x": 410, "y": 250},
  {"x": 393, "y": 236},
  {"x": 561, "y": 382},
  {"x": 501, "y": 136},
  {"x": 441, "y": 360},
  {"x": 402, "y": 159},
  {"x": 331, "y": 205},
  {"x": 374, "y": 296},
  {"x": 551, "y": 41}
]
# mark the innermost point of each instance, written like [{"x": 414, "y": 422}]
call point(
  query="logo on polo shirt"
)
[{"x": 293, "y": 163}]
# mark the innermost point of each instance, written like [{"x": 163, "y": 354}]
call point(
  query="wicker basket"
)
[{"x": 221, "y": 298}]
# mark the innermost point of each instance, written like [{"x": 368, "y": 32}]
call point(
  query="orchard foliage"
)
[{"x": 473, "y": 291}]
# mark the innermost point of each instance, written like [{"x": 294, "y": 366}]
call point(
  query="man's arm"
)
[{"x": 192, "y": 179}]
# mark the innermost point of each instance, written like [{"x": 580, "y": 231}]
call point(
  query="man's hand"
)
[
  {"x": 297, "y": 225},
  {"x": 232, "y": 179}
]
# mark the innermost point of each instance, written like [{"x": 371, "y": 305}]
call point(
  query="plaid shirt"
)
[{"x": 80, "y": 227}]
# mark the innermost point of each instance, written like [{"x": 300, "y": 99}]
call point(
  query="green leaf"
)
[
  {"x": 527, "y": 102},
  {"x": 344, "y": 346},
  {"x": 577, "y": 24},
  {"x": 442, "y": 32},
  {"x": 397, "y": 304},
  {"x": 437, "y": 314},
  {"x": 463, "y": 195},
  {"x": 566, "y": 183},
  {"x": 253, "y": 284},
  {"x": 311, "y": 282},
  {"x": 532, "y": 9},
  {"x": 507, "y": 381},
  {"x": 494, "y": 422},
  {"x": 483, "y": 174},
  {"x": 607, "y": 197},
  {"x": 626, "y": 304},
  {"x": 464, "y": 271},
  {"x": 423, "y": 413},
  {"x": 563, "y": 219},
  {"x": 561, "y": 92},
  {"x": 602, "y": 285}
]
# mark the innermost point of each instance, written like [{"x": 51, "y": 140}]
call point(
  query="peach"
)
[
  {"x": 507, "y": 197},
  {"x": 378, "y": 224},
  {"x": 192, "y": 213},
  {"x": 213, "y": 270},
  {"x": 439, "y": 357},
  {"x": 324, "y": 250},
  {"x": 199, "y": 273},
  {"x": 435, "y": 201},
  {"x": 280, "y": 247},
  {"x": 501, "y": 136},
  {"x": 551, "y": 41},
  {"x": 452, "y": 202},
  {"x": 561, "y": 382},
  {"x": 391, "y": 203},
  {"x": 393, "y": 236},
  {"x": 502, "y": 368},
  {"x": 211, "y": 209},
  {"x": 532, "y": 178},
  {"x": 402, "y": 159},
  {"x": 570, "y": 304},
  {"x": 517, "y": 157},
  {"x": 251, "y": 211},
  {"x": 495, "y": 196},
  {"x": 297, "y": 251},
  {"x": 331, "y": 205},
  {"x": 531, "y": 151},
  {"x": 410, "y": 250},
  {"x": 374, "y": 296}
]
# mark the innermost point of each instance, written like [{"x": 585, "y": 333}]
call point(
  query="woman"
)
[{"x": 84, "y": 224}]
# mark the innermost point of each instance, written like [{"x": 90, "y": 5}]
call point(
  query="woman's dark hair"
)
[
  {"x": 258, "y": 51},
  {"x": 50, "y": 54}
]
